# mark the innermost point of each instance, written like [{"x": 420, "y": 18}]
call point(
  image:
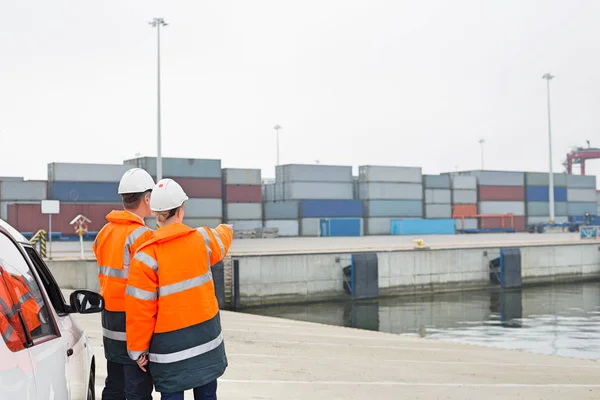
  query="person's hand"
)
[{"x": 143, "y": 361}]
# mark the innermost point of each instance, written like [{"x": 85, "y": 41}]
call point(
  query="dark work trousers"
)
[
  {"x": 127, "y": 382},
  {"x": 206, "y": 392}
]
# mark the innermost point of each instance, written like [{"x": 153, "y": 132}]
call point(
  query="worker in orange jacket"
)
[
  {"x": 11, "y": 327},
  {"x": 173, "y": 322},
  {"x": 114, "y": 247}
]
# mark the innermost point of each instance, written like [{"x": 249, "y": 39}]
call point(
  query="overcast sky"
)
[{"x": 351, "y": 82}]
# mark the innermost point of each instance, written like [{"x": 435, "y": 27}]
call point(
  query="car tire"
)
[{"x": 91, "y": 393}]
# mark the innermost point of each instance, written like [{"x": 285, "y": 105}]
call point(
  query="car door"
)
[{"x": 47, "y": 349}]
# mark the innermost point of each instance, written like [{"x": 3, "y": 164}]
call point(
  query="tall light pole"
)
[
  {"x": 548, "y": 77},
  {"x": 158, "y": 23},
  {"x": 277, "y": 128},
  {"x": 481, "y": 142}
]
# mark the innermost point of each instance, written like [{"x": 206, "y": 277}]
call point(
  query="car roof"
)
[{"x": 16, "y": 235}]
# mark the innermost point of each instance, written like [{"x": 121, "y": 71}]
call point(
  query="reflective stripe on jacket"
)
[
  {"x": 11, "y": 328},
  {"x": 172, "y": 310},
  {"x": 114, "y": 247}
]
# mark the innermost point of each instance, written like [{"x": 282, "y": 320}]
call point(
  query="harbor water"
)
[{"x": 562, "y": 320}]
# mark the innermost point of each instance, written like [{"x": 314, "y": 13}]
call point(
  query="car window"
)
[
  {"x": 54, "y": 293},
  {"x": 27, "y": 296}
]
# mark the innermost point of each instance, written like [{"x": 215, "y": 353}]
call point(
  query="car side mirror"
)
[{"x": 86, "y": 302}]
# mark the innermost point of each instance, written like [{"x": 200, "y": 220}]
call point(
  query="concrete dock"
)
[{"x": 273, "y": 358}]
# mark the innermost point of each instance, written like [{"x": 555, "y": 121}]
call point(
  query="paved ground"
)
[
  {"x": 280, "y": 359},
  {"x": 367, "y": 243}
]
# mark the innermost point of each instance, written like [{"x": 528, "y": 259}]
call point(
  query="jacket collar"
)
[
  {"x": 124, "y": 217},
  {"x": 170, "y": 232}
]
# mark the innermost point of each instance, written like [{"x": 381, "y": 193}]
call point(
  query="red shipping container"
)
[
  {"x": 496, "y": 223},
  {"x": 29, "y": 217},
  {"x": 464, "y": 210},
  {"x": 243, "y": 194},
  {"x": 501, "y": 193},
  {"x": 200, "y": 188}
]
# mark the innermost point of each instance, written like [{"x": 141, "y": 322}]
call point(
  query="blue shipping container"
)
[
  {"x": 423, "y": 227},
  {"x": 330, "y": 208},
  {"x": 341, "y": 227},
  {"x": 542, "y": 193},
  {"x": 102, "y": 192}
]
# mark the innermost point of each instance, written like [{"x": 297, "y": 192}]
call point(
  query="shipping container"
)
[
  {"x": 11, "y": 178},
  {"x": 390, "y": 191},
  {"x": 433, "y": 211},
  {"x": 581, "y": 181},
  {"x": 281, "y": 210},
  {"x": 84, "y": 192},
  {"x": 463, "y": 196},
  {"x": 313, "y": 173},
  {"x": 581, "y": 195},
  {"x": 462, "y": 224},
  {"x": 543, "y": 179},
  {"x": 546, "y": 220},
  {"x": 242, "y": 194},
  {"x": 310, "y": 227},
  {"x": 378, "y": 226},
  {"x": 502, "y": 207},
  {"x": 464, "y": 182},
  {"x": 28, "y": 190},
  {"x": 542, "y": 193},
  {"x": 393, "y": 208},
  {"x": 198, "y": 222},
  {"x": 29, "y": 217},
  {"x": 542, "y": 209},
  {"x": 242, "y": 211},
  {"x": 423, "y": 227},
  {"x": 464, "y": 210},
  {"x": 438, "y": 196},
  {"x": 373, "y": 173},
  {"x": 201, "y": 188},
  {"x": 79, "y": 172},
  {"x": 4, "y": 207},
  {"x": 437, "y": 181},
  {"x": 286, "y": 227},
  {"x": 330, "y": 208},
  {"x": 501, "y": 193},
  {"x": 518, "y": 223},
  {"x": 314, "y": 191},
  {"x": 598, "y": 210},
  {"x": 268, "y": 192},
  {"x": 579, "y": 209},
  {"x": 340, "y": 227},
  {"x": 497, "y": 178},
  {"x": 245, "y": 225},
  {"x": 203, "y": 208},
  {"x": 179, "y": 167},
  {"x": 239, "y": 176}
]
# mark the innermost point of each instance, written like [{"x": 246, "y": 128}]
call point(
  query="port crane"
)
[{"x": 579, "y": 155}]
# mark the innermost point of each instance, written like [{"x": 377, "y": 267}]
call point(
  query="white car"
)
[{"x": 43, "y": 353}]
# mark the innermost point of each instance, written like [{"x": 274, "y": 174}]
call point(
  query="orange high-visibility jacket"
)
[
  {"x": 114, "y": 247},
  {"x": 172, "y": 310},
  {"x": 24, "y": 298},
  {"x": 11, "y": 328}
]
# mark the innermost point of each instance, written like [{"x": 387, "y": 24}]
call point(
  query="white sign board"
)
[{"x": 50, "y": 207}]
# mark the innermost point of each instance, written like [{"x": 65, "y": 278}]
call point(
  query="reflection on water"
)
[{"x": 562, "y": 320}]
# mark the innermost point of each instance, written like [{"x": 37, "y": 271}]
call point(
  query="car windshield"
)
[{"x": 13, "y": 232}]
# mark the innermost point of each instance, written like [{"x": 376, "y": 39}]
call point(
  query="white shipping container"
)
[
  {"x": 78, "y": 172},
  {"x": 268, "y": 192},
  {"x": 310, "y": 227},
  {"x": 390, "y": 191},
  {"x": 581, "y": 181},
  {"x": 464, "y": 182},
  {"x": 205, "y": 208},
  {"x": 198, "y": 222},
  {"x": 461, "y": 196},
  {"x": 243, "y": 211},
  {"x": 313, "y": 173},
  {"x": 239, "y": 176},
  {"x": 502, "y": 207},
  {"x": 373, "y": 173},
  {"x": 245, "y": 225},
  {"x": 26, "y": 190},
  {"x": 577, "y": 195},
  {"x": 314, "y": 191},
  {"x": 433, "y": 211},
  {"x": 287, "y": 228},
  {"x": 378, "y": 226},
  {"x": 497, "y": 178},
  {"x": 467, "y": 223},
  {"x": 438, "y": 196}
]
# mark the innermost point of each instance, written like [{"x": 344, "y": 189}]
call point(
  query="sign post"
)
[
  {"x": 50, "y": 207},
  {"x": 81, "y": 228}
]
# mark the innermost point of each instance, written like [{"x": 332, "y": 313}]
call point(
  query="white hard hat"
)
[
  {"x": 167, "y": 195},
  {"x": 135, "y": 180}
]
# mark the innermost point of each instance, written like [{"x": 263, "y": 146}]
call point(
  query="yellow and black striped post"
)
[{"x": 40, "y": 238}]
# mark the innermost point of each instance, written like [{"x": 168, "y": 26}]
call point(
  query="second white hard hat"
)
[
  {"x": 167, "y": 195},
  {"x": 135, "y": 180}
]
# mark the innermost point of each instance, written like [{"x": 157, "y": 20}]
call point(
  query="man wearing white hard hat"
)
[
  {"x": 173, "y": 321},
  {"x": 114, "y": 247}
]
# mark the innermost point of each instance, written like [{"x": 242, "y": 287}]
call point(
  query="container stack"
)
[
  {"x": 242, "y": 198},
  {"x": 284, "y": 216},
  {"x": 464, "y": 202},
  {"x": 438, "y": 196},
  {"x": 581, "y": 195},
  {"x": 20, "y": 191},
  {"x": 201, "y": 181},
  {"x": 345, "y": 214},
  {"x": 389, "y": 193},
  {"x": 537, "y": 194}
]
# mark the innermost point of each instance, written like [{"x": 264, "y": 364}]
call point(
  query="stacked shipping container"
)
[
  {"x": 438, "y": 196},
  {"x": 537, "y": 194},
  {"x": 581, "y": 195},
  {"x": 242, "y": 198},
  {"x": 389, "y": 193},
  {"x": 20, "y": 191},
  {"x": 464, "y": 202}
]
